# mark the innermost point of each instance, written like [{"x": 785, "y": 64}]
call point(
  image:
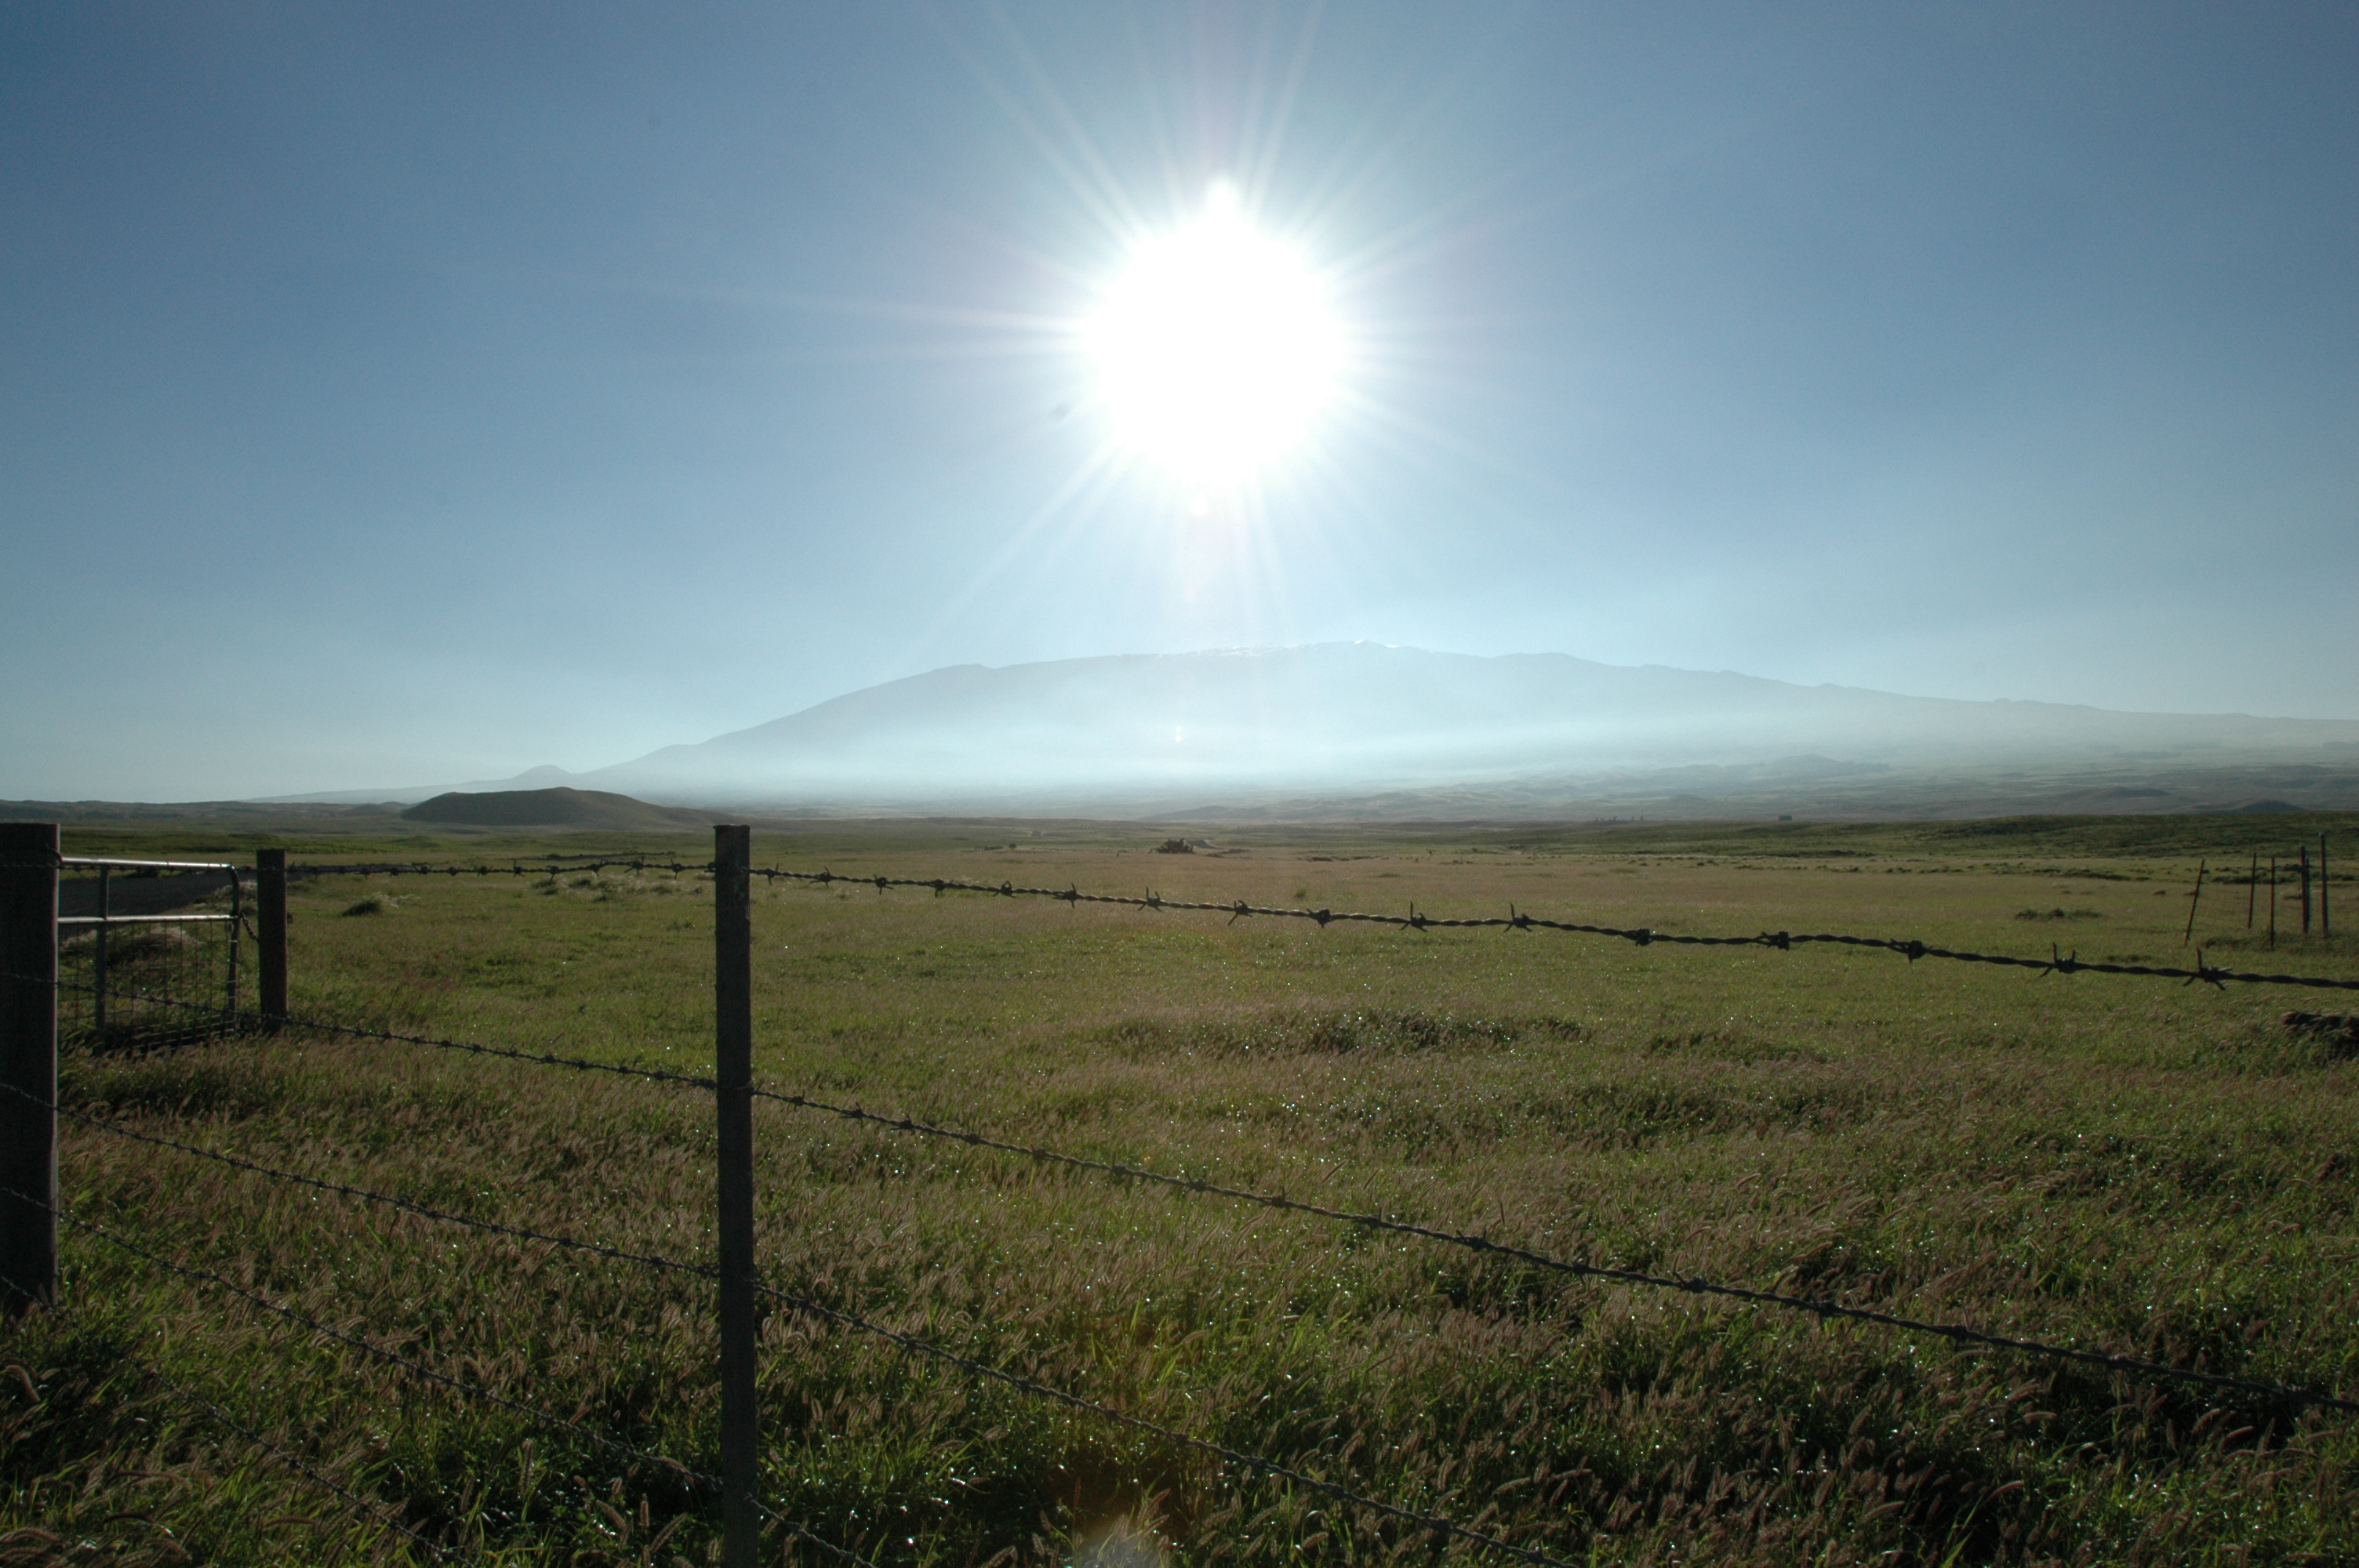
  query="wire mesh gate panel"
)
[{"x": 148, "y": 952}]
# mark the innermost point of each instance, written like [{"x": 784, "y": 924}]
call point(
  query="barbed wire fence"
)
[
  {"x": 2057, "y": 962},
  {"x": 32, "y": 1210}
]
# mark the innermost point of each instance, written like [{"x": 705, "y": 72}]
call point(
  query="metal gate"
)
[{"x": 148, "y": 954}]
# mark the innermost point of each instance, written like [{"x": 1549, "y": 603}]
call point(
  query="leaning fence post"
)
[
  {"x": 270, "y": 935},
  {"x": 733, "y": 1008},
  {"x": 2194, "y": 902},
  {"x": 28, "y": 1063}
]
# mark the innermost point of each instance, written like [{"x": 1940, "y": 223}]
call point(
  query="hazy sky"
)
[{"x": 396, "y": 393}]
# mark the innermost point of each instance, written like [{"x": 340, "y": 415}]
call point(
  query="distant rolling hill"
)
[
  {"x": 1360, "y": 729},
  {"x": 559, "y": 807}
]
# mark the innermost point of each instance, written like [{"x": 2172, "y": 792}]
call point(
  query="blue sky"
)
[{"x": 400, "y": 393}]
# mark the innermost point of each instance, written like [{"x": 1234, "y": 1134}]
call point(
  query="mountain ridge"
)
[{"x": 1334, "y": 721}]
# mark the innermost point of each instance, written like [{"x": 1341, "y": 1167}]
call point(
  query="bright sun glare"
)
[{"x": 1214, "y": 349}]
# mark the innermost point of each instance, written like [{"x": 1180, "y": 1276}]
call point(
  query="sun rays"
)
[
  {"x": 1214, "y": 349},
  {"x": 1213, "y": 334}
]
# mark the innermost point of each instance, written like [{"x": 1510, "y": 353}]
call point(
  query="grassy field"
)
[{"x": 2148, "y": 1168}]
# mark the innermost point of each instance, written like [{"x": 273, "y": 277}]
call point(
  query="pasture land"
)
[{"x": 2153, "y": 1169}]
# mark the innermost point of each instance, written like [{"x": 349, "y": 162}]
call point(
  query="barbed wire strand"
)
[
  {"x": 545, "y": 866},
  {"x": 1260, "y": 1464},
  {"x": 2296, "y": 1395},
  {"x": 538, "y": 865},
  {"x": 190, "y": 1396},
  {"x": 548, "y": 1418},
  {"x": 2057, "y": 962},
  {"x": 796, "y": 1532},
  {"x": 423, "y": 1211},
  {"x": 1251, "y": 1461},
  {"x": 468, "y": 1048}
]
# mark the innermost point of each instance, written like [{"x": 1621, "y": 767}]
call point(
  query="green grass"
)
[{"x": 2148, "y": 1168}]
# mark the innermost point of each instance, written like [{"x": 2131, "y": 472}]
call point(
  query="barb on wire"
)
[
  {"x": 1257, "y": 1463},
  {"x": 317, "y": 1478},
  {"x": 1520, "y": 920},
  {"x": 2289, "y": 1394},
  {"x": 468, "y": 1047},
  {"x": 797, "y": 1533}
]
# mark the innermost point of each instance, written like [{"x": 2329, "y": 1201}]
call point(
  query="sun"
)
[{"x": 1215, "y": 350}]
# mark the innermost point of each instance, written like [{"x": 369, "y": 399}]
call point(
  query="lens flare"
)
[{"x": 1215, "y": 350}]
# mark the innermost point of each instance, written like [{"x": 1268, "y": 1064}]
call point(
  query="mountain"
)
[
  {"x": 1359, "y": 729},
  {"x": 1327, "y": 725}
]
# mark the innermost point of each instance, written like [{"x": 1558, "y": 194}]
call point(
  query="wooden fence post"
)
[
  {"x": 28, "y": 1063},
  {"x": 270, "y": 935},
  {"x": 2325, "y": 910},
  {"x": 2194, "y": 902},
  {"x": 733, "y": 1008},
  {"x": 2305, "y": 889}
]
